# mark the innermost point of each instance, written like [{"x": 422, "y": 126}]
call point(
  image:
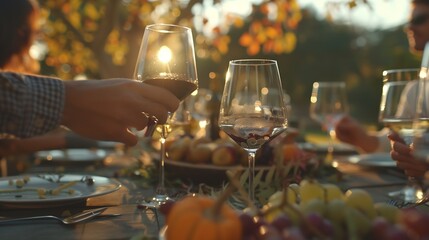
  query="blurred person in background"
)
[
  {"x": 16, "y": 39},
  {"x": 31, "y": 105},
  {"x": 350, "y": 131}
]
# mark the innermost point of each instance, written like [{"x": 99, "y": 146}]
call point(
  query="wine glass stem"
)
[
  {"x": 161, "y": 184},
  {"x": 251, "y": 167},
  {"x": 330, "y": 154}
]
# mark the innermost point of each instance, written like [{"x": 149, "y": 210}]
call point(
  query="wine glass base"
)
[
  {"x": 155, "y": 202},
  {"x": 408, "y": 194}
]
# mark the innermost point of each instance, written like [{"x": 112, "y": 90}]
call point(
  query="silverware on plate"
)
[{"x": 76, "y": 218}]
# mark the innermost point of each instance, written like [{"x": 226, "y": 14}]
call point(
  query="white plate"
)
[
  {"x": 339, "y": 148},
  {"x": 73, "y": 155},
  {"x": 373, "y": 160},
  {"x": 81, "y": 186}
]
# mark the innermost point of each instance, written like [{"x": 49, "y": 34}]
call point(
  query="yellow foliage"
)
[
  {"x": 271, "y": 32},
  {"x": 59, "y": 26},
  {"x": 91, "y": 11},
  {"x": 238, "y": 22},
  {"x": 278, "y": 47},
  {"x": 63, "y": 57},
  {"x": 222, "y": 45},
  {"x": 352, "y": 3},
  {"x": 261, "y": 37},
  {"x": 74, "y": 19},
  {"x": 290, "y": 41},
  {"x": 256, "y": 26},
  {"x": 245, "y": 39},
  {"x": 253, "y": 49}
]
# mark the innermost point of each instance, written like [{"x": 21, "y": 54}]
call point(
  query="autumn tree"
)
[{"x": 100, "y": 38}]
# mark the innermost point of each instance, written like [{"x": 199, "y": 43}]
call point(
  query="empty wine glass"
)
[
  {"x": 167, "y": 59},
  {"x": 200, "y": 110},
  {"x": 252, "y": 111},
  {"x": 328, "y": 104},
  {"x": 397, "y": 113}
]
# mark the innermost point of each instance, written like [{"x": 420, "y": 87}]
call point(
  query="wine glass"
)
[
  {"x": 395, "y": 113},
  {"x": 252, "y": 111},
  {"x": 421, "y": 120},
  {"x": 328, "y": 104},
  {"x": 167, "y": 59},
  {"x": 199, "y": 105}
]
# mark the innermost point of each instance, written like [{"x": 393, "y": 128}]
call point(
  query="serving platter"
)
[{"x": 203, "y": 173}]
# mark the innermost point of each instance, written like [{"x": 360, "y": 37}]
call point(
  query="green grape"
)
[
  {"x": 358, "y": 224},
  {"x": 310, "y": 189},
  {"x": 361, "y": 200},
  {"x": 332, "y": 192},
  {"x": 314, "y": 206},
  {"x": 387, "y": 211},
  {"x": 276, "y": 199},
  {"x": 335, "y": 210}
]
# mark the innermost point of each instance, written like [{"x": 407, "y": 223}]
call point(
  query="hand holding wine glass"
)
[
  {"x": 397, "y": 112},
  {"x": 167, "y": 59},
  {"x": 252, "y": 111}
]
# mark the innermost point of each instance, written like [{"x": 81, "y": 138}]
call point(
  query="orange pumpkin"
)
[{"x": 199, "y": 218}]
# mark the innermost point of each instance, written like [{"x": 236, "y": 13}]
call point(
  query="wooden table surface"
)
[{"x": 135, "y": 223}]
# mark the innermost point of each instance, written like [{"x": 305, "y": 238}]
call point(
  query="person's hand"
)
[
  {"x": 107, "y": 109},
  {"x": 350, "y": 131},
  {"x": 404, "y": 158}
]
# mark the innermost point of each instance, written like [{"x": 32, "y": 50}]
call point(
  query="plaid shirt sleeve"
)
[{"x": 29, "y": 105}]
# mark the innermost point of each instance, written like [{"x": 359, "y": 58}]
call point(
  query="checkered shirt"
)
[{"x": 29, "y": 105}]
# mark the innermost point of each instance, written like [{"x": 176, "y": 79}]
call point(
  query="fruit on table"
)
[
  {"x": 224, "y": 156},
  {"x": 310, "y": 189},
  {"x": 361, "y": 200},
  {"x": 178, "y": 149},
  {"x": 202, "y": 150},
  {"x": 387, "y": 211},
  {"x": 332, "y": 192},
  {"x": 200, "y": 218},
  {"x": 415, "y": 222},
  {"x": 284, "y": 217},
  {"x": 201, "y": 153}
]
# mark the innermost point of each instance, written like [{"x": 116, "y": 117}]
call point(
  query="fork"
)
[
  {"x": 76, "y": 218},
  {"x": 403, "y": 204}
]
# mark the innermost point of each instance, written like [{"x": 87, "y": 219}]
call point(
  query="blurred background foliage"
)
[{"x": 101, "y": 38}]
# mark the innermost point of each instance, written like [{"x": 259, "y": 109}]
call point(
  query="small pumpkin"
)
[{"x": 203, "y": 217}]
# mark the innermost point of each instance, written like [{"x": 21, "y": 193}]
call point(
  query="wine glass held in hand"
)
[
  {"x": 167, "y": 59},
  {"x": 328, "y": 103},
  {"x": 397, "y": 112},
  {"x": 252, "y": 111}
]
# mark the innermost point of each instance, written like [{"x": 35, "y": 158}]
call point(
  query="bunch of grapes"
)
[
  {"x": 314, "y": 226},
  {"x": 312, "y": 210}
]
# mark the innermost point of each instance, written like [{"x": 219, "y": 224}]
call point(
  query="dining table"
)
[{"x": 125, "y": 218}]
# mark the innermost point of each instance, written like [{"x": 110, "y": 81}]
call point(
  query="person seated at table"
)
[
  {"x": 18, "y": 36},
  {"x": 16, "y": 40},
  {"x": 349, "y": 130},
  {"x": 32, "y": 105}
]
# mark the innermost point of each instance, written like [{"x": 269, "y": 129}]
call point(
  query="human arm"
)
[
  {"x": 29, "y": 105},
  {"x": 404, "y": 158},
  {"x": 352, "y": 132},
  {"x": 106, "y": 109},
  {"x": 98, "y": 109}
]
